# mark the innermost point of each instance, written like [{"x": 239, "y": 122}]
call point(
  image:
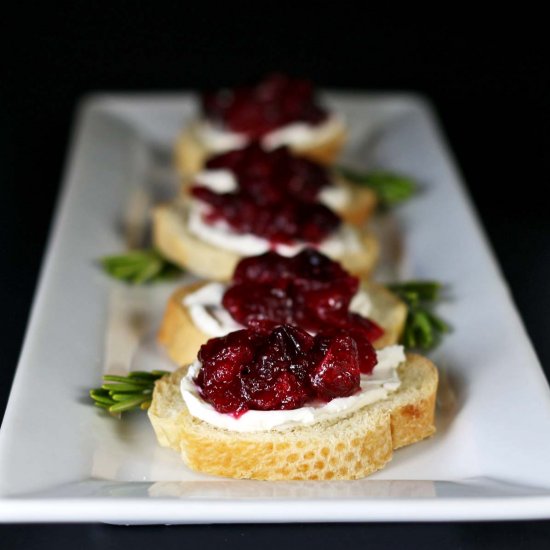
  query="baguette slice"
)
[
  {"x": 172, "y": 238},
  {"x": 346, "y": 448},
  {"x": 182, "y": 338},
  {"x": 190, "y": 153},
  {"x": 361, "y": 205}
]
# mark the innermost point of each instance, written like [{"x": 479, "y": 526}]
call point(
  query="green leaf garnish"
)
[
  {"x": 391, "y": 188},
  {"x": 124, "y": 393},
  {"x": 139, "y": 266},
  {"x": 423, "y": 329}
]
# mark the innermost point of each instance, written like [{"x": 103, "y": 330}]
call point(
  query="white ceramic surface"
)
[{"x": 63, "y": 460}]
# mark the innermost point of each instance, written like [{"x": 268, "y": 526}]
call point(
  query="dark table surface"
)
[{"x": 491, "y": 90}]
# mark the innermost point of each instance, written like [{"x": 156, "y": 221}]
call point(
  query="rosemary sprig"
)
[
  {"x": 139, "y": 266},
  {"x": 423, "y": 329},
  {"x": 124, "y": 393},
  {"x": 391, "y": 188}
]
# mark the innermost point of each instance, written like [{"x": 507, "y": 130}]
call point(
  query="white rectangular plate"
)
[{"x": 63, "y": 460}]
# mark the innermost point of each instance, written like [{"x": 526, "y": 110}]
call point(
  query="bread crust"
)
[
  {"x": 172, "y": 238},
  {"x": 388, "y": 311},
  {"x": 346, "y": 448},
  {"x": 190, "y": 154},
  {"x": 175, "y": 242},
  {"x": 325, "y": 152},
  {"x": 182, "y": 338},
  {"x": 361, "y": 205},
  {"x": 178, "y": 334}
]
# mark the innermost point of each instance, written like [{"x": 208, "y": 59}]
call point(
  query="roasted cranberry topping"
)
[
  {"x": 280, "y": 222},
  {"x": 336, "y": 371},
  {"x": 272, "y": 176},
  {"x": 276, "y": 196},
  {"x": 279, "y": 368},
  {"x": 308, "y": 290},
  {"x": 257, "y": 110}
]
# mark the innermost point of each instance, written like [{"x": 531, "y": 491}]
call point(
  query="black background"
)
[{"x": 489, "y": 80}]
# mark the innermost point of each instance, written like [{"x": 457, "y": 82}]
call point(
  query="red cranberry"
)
[
  {"x": 336, "y": 373},
  {"x": 366, "y": 354},
  {"x": 270, "y": 382},
  {"x": 277, "y": 369},
  {"x": 284, "y": 222},
  {"x": 370, "y": 330},
  {"x": 328, "y": 302},
  {"x": 308, "y": 290},
  {"x": 219, "y": 377},
  {"x": 276, "y": 196},
  {"x": 263, "y": 302},
  {"x": 270, "y": 176},
  {"x": 272, "y": 103},
  {"x": 265, "y": 268}
]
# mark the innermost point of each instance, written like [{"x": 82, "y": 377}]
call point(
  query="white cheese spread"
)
[
  {"x": 374, "y": 387},
  {"x": 210, "y": 317},
  {"x": 361, "y": 303},
  {"x": 206, "y": 311},
  {"x": 219, "y": 181},
  {"x": 344, "y": 240},
  {"x": 298, "y": 134},
  {"x": 336, "y": 197}
]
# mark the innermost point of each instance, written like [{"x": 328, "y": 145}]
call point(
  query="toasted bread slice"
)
[
  {"x": 349, "y": 447},
  {"x": 182, "y": 338},
  {"x": 190, "y": 153},
  {"x": 173, "y": 239},
  {"x": 178, "y": 334},
  {"x": 388, "y": 311},
  {"x": 361, "y": 204}
]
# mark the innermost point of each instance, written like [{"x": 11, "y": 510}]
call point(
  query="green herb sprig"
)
[
  {"x": 391, "y": 188},
  {"x": 139, "y": 266},
  {"x": 124, "y": 393},
  {"x": 423, "y": 329}
]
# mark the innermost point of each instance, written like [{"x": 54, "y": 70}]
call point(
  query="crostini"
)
[
  {"x": 268, "y": 174},
  {"x": 285, "y": 405},
  {"x": 277, "y": 111},
  {"x": 308, "y": 289}
]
